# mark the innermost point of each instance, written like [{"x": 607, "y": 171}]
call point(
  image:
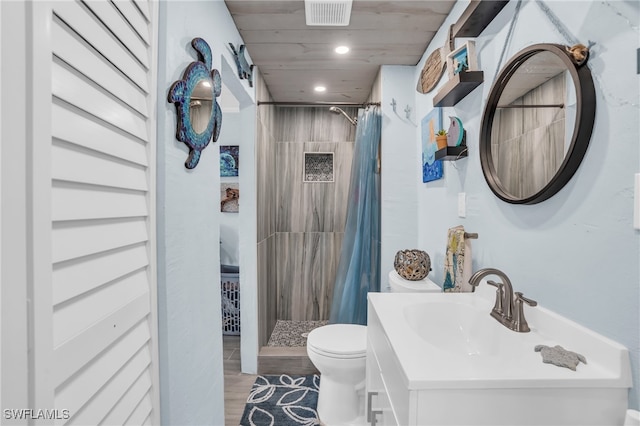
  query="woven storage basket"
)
[{"x": 412, "y": 265}]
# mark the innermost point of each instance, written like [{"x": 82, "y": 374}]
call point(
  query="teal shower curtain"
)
[{"x": 359, "y": 268}]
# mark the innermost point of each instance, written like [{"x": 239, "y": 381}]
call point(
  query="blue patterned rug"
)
[{"x": 282, "y": 401}]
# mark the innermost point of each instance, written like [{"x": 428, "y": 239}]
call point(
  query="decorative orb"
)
[{"x": 412, "y": 265}]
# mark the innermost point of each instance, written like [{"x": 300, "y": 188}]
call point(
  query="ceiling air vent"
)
[{"x": 328, "y": 12}]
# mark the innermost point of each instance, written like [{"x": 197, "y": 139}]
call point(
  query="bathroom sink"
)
[
  {"x": 445, "y": 361},
  {"x": 457, "y": 328}
]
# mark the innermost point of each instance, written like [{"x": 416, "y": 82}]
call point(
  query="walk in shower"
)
[{"x": 302, "y": 202}]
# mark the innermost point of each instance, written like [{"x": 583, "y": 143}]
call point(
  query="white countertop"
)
[{"x": 511, "y": 362}]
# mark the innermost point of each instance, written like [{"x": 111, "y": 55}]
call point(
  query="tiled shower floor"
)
[{"x": 292, "y": 333}]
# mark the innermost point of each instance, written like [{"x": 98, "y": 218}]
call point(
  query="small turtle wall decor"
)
[
  {"x": 579, "y": 53},
  {"x": 245, "y": 71},
  {"x": 195, "y": 98}
]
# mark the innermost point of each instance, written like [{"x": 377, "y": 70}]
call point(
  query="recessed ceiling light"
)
[
  {"x": 341, "y": 50},
  {"x": 320, "y": 89}
]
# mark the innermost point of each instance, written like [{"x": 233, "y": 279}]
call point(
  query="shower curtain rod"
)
[{"x": 312, "y": 104}]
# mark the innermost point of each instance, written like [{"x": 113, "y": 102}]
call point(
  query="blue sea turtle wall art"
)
[
  {"x": 244, "y": 69},
  {"x": 180, "y": 94}
]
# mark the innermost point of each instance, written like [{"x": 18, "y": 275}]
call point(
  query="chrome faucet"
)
[{"x": 508, "y": 309}]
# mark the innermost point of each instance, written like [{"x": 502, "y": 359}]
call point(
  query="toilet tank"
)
[{"x": 398, "y": 284}]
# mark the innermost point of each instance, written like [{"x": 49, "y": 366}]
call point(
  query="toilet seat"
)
[{"x": 345, "y": 341}]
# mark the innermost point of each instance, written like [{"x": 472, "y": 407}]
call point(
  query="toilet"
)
[{"x": 339, "y": 352}]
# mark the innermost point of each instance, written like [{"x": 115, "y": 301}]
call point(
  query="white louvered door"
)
[{"x": 102, "y": 363}]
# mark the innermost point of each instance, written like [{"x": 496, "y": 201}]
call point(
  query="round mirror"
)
[
  {"x": 537, "y": 124},
  {"x": 201, "y": 106}
]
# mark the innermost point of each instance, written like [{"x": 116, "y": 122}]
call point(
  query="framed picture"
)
[
  {"x": 229, "y": 160},
  {"x": 431, "y": 168},
  {"x": 462, "y": 59},
  {"x": 229, "y": 197}
]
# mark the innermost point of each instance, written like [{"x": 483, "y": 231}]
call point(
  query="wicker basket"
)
[{"x": 412, "y": 265}]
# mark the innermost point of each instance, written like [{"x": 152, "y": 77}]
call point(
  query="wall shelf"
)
[
  {"x": 452, "y": 153},
  {"x": 459, "y": 86},
  {"x": 476, "y": 17}
]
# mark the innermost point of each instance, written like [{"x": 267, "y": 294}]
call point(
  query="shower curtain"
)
[{"x": 359, "y": 268}]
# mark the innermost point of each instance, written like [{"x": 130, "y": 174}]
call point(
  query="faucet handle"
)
[
  {"x": 495, "y": 284},
  {"x": 529, "y": 302},
  {"x": 498, "y": 306},
  {"x": 520, "y": 323}
]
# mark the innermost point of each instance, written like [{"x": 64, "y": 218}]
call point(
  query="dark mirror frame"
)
[{"x": 585, "y": 115}]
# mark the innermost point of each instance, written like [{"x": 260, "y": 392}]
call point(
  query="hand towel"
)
[{"x": 457, "y": 263}]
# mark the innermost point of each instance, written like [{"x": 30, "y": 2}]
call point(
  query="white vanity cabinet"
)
[
  {"x": 441, "y": 359},
  {"x": 387, "y": 397}
]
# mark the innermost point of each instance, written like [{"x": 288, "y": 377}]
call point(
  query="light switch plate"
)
[
  {"x": 636, "y": 203},
  {"x": 462, "y": 204}
]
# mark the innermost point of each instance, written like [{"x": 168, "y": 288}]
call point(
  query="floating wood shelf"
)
[
  {"x": 452, "y": 153},
  {"x": 459, "y": 86},
  {"x": 476, "y": 17}
]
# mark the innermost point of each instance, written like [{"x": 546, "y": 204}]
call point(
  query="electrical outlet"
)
[{"x": 462, "y": 204}]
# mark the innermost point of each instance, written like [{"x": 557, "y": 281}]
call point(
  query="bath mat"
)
[{"x": 282, "y": 401}]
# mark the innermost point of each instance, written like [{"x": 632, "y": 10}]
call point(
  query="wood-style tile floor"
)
[{"x": 236, "y": 384}]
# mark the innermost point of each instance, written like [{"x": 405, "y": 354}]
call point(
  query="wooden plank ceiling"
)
[{"x": 294, "y": 57}]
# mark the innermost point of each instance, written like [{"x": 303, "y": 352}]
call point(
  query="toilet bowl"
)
[
  {"x": 338, "y": 351},
  {"x": 397, "y": 284}
]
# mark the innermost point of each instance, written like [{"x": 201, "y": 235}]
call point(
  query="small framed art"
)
[
  {"x": 462, "y": 59},
  {"x": 431, "y": 168}
]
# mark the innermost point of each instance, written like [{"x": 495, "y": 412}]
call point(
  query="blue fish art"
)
[
  {"x": 180, "y": 94},
  {"x": 245, "y": 71}
]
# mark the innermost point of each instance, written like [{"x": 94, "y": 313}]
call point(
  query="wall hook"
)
[
  {"x": 393, "y": 104},
  {"x": 407, "y": 112}
]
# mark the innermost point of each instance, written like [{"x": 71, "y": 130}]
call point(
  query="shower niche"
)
[{"x": 318, "y": 167}]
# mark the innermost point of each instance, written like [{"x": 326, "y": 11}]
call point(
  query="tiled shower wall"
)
[
  {"x": 300, "y": 225},
  {"x": 309, "y": 217},
  {"x": 266, "y": 197}
]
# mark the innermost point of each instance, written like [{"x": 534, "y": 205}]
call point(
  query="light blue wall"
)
[
  {"x": 399, "y": 209},
  {"x": 190, "y": 336},
  {"x": 576, "y": 253},
  {"x": 230, "y": 222}
]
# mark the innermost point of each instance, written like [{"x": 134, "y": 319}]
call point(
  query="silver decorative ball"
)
[{"x": 412, "y": 265}]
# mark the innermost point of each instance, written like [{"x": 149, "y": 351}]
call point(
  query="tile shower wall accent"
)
[
  {"x": 314, "y": 125},
  {"x": 305, "y": 273},
  {"x": 266, "y": 189},
  {"x": 266, "y": 196},
  {"x": 318, "y": 167},
  {"x": 311, "y": 207},
  {"x": 267, "y": 290},
  {"x": 272, "y": 293},
  {"x": 331, "y": 251},
  {"x": 263, "y": 252}
]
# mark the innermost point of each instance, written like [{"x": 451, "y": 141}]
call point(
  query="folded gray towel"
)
[{"x": 559, "y": 356}]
